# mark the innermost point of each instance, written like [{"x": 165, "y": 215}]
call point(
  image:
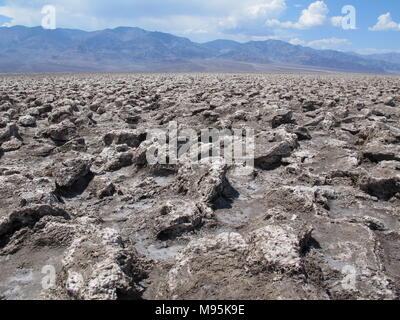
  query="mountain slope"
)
[
  {"x": 393, "y": 57},
  {"x": 26, "y": 50},
  {"x": 277, "y": 51}
]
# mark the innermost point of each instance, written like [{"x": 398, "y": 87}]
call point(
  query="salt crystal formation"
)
[{"x": 316, "y": 218}]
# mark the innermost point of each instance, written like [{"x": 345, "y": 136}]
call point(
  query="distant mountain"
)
[
  {"x": 275, "y": 51},
  {"x": 388, "y": 57},
  {"x": 37, "y": 50}
]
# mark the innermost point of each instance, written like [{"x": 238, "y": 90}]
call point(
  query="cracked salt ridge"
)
[
  {"x": 242, "y": 212},
  {"x": 335, "y": 154},
  {"x": 338, "y": 265},
  {"x": 127, "y": 211},
  {"x": 143, "y": 245},
  {"x": 248, "y": 206},
  {"x": 339, "y": 209},
  {"x": 164, "y": 181}
]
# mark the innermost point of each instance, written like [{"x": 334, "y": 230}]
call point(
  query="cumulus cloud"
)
[
  {"x": 329, "y": 43},
  {"x": 314, "y": 15},
  {"x": 385, "y": 23},
  {"x": 266, "y": 9},
  {"x": 252, "y": 17}
]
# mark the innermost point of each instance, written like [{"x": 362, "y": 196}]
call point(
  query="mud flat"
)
[{"x": 84, "y": 215}]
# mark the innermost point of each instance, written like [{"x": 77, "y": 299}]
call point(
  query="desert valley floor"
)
[{"x": 83, "y": 215}]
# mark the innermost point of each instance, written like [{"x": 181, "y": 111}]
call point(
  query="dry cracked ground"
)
[{"x": 83, "y": 215}]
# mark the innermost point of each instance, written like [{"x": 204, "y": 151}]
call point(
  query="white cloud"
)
[
  {"x": 21, "y": 16},
  {"x": 261, "y": 38},
  {"x": 337, "y": 21},
  {"x": 329, "y": 43},
  {"x": 384, "y": 23},
  {"x": 266, "y": 9},
  {"x": 314, "y": 15},
  {"x": 258, "y": 13},
  {"x": 297, "y": 42}
]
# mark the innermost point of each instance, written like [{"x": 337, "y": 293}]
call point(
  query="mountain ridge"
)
[{"x": 132, "y": 49}]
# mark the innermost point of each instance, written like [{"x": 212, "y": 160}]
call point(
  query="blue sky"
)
[{"x": 312, "y": 23}]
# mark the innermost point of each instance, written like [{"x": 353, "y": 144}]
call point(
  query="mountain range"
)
[{"x": 126, "y": 49}]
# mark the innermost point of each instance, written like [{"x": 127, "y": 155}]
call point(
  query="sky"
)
[{"x": 371, "y": 26}]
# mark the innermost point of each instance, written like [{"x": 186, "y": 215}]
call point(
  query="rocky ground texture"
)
[{"x": 317, "y": 218}]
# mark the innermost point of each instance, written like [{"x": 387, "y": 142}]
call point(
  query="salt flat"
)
[{"x": 316, "y": 217}]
